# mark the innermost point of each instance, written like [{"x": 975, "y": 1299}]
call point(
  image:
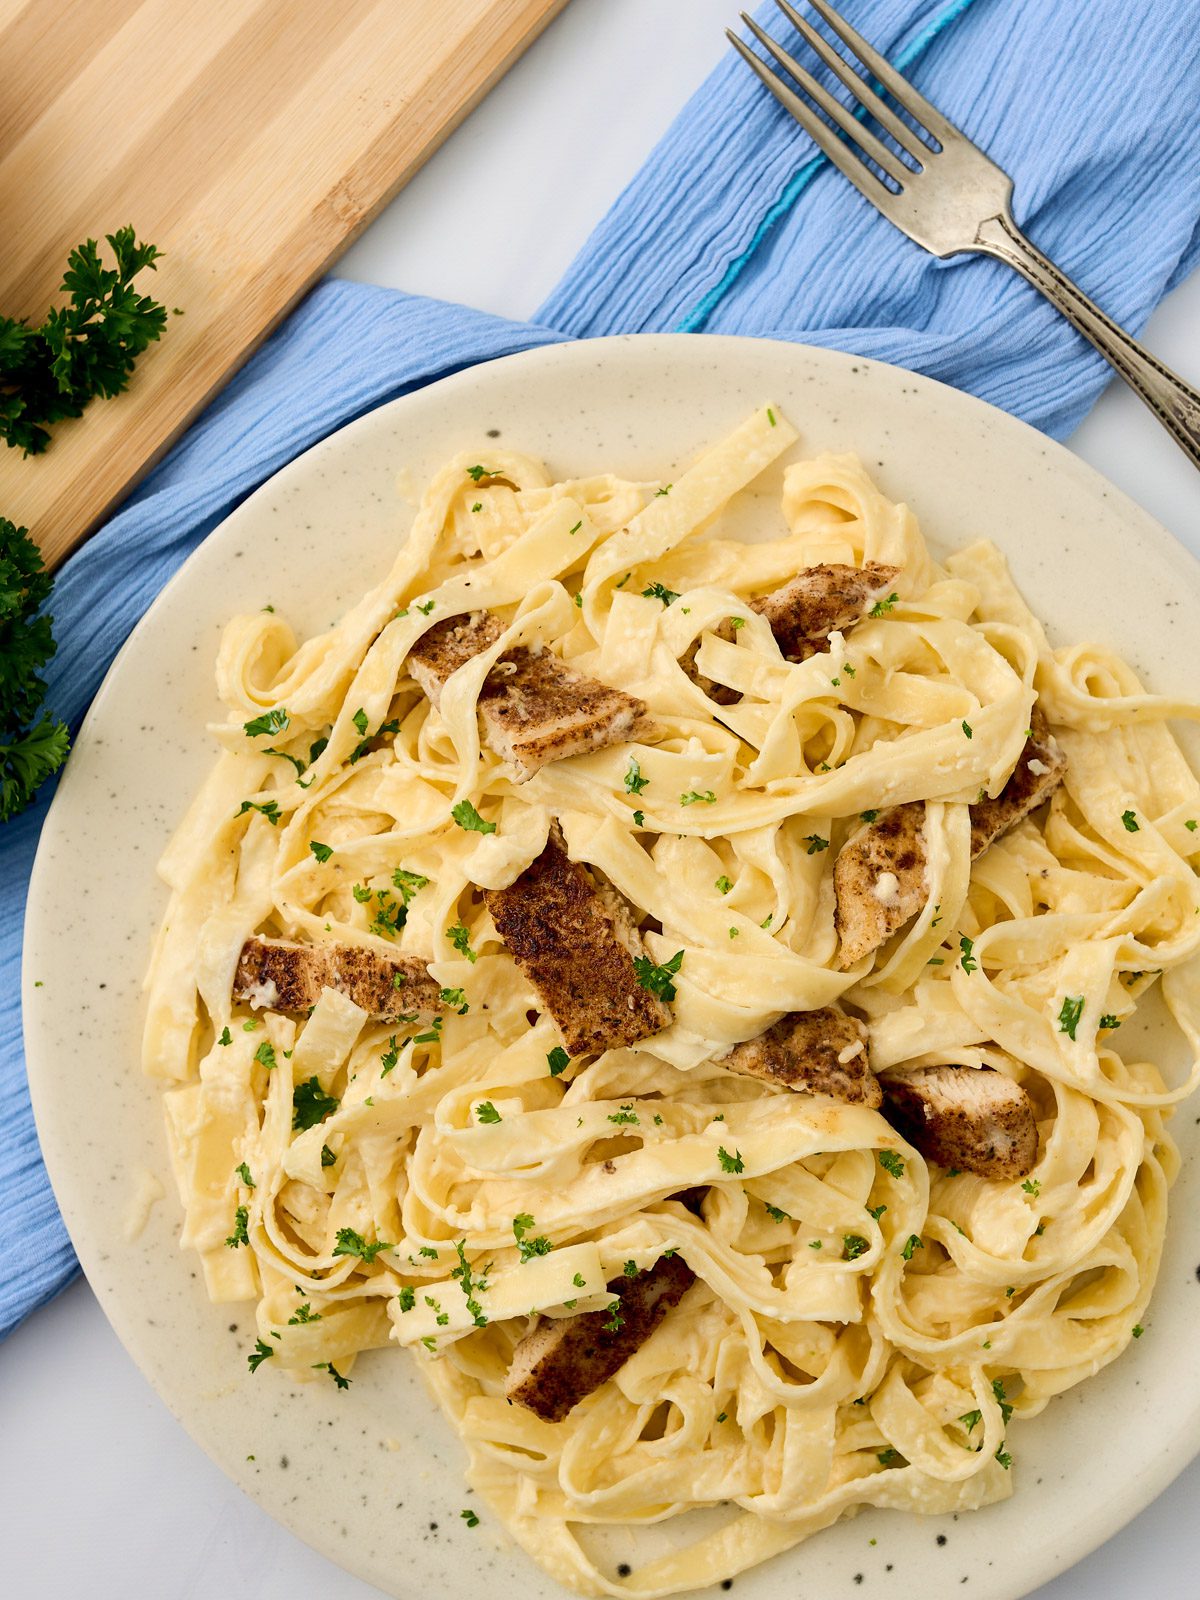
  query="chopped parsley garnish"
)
[
  {"x": 775, "y": 1214},
  {"x": 460, "y": 938},
  {"x": 967, "y": 729},
  {"x": 310, "y": 1104},
  {"x": 475, "y": 473},
  {"x": 576, "y": 528},
  {"x": 1190, "y": 825},
  {"x": 529, "y": 1248},
  {"x": 815, "y": 843},
  {"x": 469, "y": 1517},
  {"x": 891, "y": 1162},
  {"x": 328, "y": 1159},
  {"x": 735, "y": 933},
  {"x": 630, "y": 1269},
  {"x": 1032, "y": 1186},
  {"x": 851, "y": 672},
  {"x": 626, "y": 1116},
  {"x": 1006, "y": 1409},
  {"x": 486, "y": 1112},
  {"x": 853, "y": 1245},
  {"x": 1138, "y": 1330},
  {"x": 350, "y": 1243},
  {"x": 634, "y": 782},
  {"x": 876, "y": 1212},
  {"x": 558, "y": 1061},
  {"x": 389, "y": 1057},
  {"x": 270, "y": 722},
  {"x": 407, "y": 1298},
  {"x": 615, "y": 1320},
  {"x": 1068, "y": 1017},
  {"x": 1003, "y": 1457},
  {"x": 695, "y": 797},
  {"x": 408, "y": 883},
  {"x": 266, "y": 1055},
  {"x": 579, "y": 1280},
  {"x": 362, "y": 892},
  {"x": 328, "y": 1366},
  {"x": 239, "y": 1236},
  {"x": 730, "y": 1163},
  {"x": 321, "y": 851},
  {"x": 639, "y": 818},
  {"x": 304, "y": 1313},
  {"x": 659, "y": 492},
  {"x": 1109, "y": 1021},
  {"x": 465, "y": 814},
  {"x": 1130, "y": 822},
  {"x": 243, "y": 1172},
  {"x": 967, "y": 960},
  {"x": 971, "y": 1419},
  {"x": 737, "y": 623},
  {"x": 455, "y": 999},
  {"x": 657, "y": 979},
  {"x": 723, "y": 885},
  {"x": 868, "y": 816},
  {"x": 913, "y": 1243},
  {"x": 658, "y": 591},
  {"x": 888, "y": 1457},
  {"x": 268, "y": 808},
  {"x": 262, "y": 1352},
  {"x": 478, "y": 506},
  {"x": 426, "y": 608},
  {"x": 470, "y": 1285},
  {"x": 226, "y": 1037},
  {"x": 882, "y": 607},
  {"x": 359, "y": 719}
]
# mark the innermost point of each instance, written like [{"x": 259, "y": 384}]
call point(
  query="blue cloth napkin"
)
[{"x": 732, "y": 226}]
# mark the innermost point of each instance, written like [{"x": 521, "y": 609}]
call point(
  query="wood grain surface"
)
[{"x": 251, "y": 140}]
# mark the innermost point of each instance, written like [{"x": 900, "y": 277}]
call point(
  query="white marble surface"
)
[{"x": 102, "y": 1492}]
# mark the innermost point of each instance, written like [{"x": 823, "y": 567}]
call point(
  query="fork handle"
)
[{"x": 1175, "y": 403}]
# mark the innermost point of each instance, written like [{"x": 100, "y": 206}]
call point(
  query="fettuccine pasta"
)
[{"x": 865, "y": 1326}]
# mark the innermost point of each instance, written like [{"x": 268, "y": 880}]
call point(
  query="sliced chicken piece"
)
[
  {"x": 803, "y": 613},
  {"x": 814, "y": 1052},
  {"x": 879, "y": 880},
  {"x": 564, "y": 1359},
  {"x": 879, "y": 875},
  {"x": 1040, "y": 769},
  {"x": 534, "y": 708},
  {"x": 576, "y": 944},
  {"x": 821, "y": 601},
  {"x": 277, "y": 975},
  {"x": 966, "y": 1117}
]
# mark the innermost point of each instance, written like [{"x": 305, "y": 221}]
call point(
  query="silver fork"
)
[{"x": 954, "y": 199}]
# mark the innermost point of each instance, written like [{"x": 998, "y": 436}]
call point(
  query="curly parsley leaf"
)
[
  {"x": 350, "y": 1243},
  {"x": 465, "y": 814},
  {"x": 657, "y": 979},
  {"x": 310, "y": 1104},
  {"x": 32, "y": 746}
]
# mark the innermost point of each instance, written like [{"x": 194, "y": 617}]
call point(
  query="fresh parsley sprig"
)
[
  {"x": 32, "y": 743},
  {"x": 83, "y": 349}
]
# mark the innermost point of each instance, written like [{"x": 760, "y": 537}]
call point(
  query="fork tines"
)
[{"x": 888, "y": 168}]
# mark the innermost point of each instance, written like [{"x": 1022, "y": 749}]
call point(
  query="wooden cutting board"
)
[{"x": 251, "y": 140}]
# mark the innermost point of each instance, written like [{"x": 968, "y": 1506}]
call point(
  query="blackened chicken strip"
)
[
  {"x": 814, "y": 1052},
  {"x": 824, "y": 600},
  {"x": 969, "y": 1118},
  {"x": 803, "y": 613},
  {"x": 278, "y": 975},
  {"x": 535, "y": 709},
  {"x": 564, "y": 1359},
  {"x": 576, "y": 943},
  {"x": 879, "y": 876}
]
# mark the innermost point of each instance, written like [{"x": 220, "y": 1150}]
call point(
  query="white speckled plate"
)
[{"x": 325, "y": 1463}]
